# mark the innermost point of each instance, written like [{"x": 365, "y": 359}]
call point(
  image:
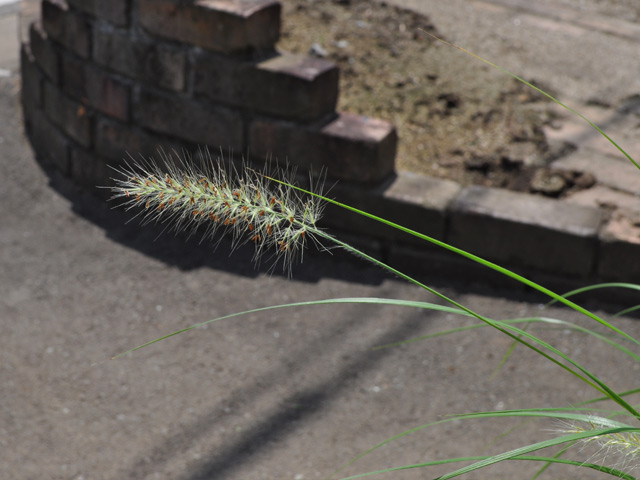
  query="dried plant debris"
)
[{"x": 456, "y": 118}]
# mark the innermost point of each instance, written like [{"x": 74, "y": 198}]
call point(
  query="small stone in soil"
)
[{"x": 548, "y": 183}]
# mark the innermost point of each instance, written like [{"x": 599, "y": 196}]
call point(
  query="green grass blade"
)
[
  {"x": 574, "y": 437},
  {"x": 514, "y": 333},
  {"x": 368, "y": 300},
  {"x": 627, "y": 311},
  {"x": 586, "y": 376},
  {"x": 510, "y": 331},
  {"x": 458, "y": 251},
  {"x": 507, "y": 355},
  {"x": 462, "y": 311},
  {"x": 556, "y": 413},
  {"x": 599, "y": 384},
  {"x": 597, "y": 286},
  {"x": 626, "y": 393},
  {"x": 531, "y": 458},
  {"x": 557, "y": 456},
  {"x": 551, "y": 321},
  {"x": 545, "y": 413},
  {"x": 515, "y": 321}
]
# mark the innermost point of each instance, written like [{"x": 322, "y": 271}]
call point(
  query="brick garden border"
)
[{"x": 104, "y": 78}]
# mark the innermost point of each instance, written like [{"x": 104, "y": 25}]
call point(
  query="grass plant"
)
[{"x": 281, "y": 220}]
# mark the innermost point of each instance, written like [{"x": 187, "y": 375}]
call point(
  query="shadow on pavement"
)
[
  {"x": 285, "y": 417},
  {"x": 189, "y": 252}
]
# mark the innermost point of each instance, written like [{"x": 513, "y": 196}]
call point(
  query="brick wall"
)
[{"x": 105, "y": 79}]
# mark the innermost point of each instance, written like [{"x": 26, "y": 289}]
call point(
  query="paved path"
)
[{"x": 285, "y": 395}]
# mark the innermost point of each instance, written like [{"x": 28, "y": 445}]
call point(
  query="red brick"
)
[
  {"x": 115, "y": 12},
  {"x": 67, "y": 27},
  {"x": 351, "y": 147},
  {"x": 154, "y": 63},
  {"x": 44, "y": 52},
  {"x": 190, "y": 120},
  {"x": 219, "y": 25},
  {"x": 71, "y": 116},
  {"x": 95, "y": 87},
  {"x": 287, "y": 86}
]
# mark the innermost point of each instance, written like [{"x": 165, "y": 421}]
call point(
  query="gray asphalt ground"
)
[{"x": 288, "y": 394}]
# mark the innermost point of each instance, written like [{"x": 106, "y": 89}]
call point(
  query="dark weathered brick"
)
[
  {"x": 71, "y": 116},
  {"x": 350, "y": 147},
  {"x": 194, "y": 121},
  {"x": 115, "y": 12},
  {"x": 154, "y": 63},
  {"x": 218, "y": 25},
  {"x": 44, "y": 52},
  {"x": 285, "y": 142},
  {"x": 90, "y": 171},
  {"x": 49, "y": 143},
  {"x": 440, "y": 263},
  {"x": 619, "y": 247},
  {"x": 116, "y": 141},
  {"x": 95, "y": 87},
  {"x": 359, "y": 148},
  {"x": 31, "y": 76},
  {"x": 67, "y": 27},
  {"x": 53, "y": 17},
  {"x": 288, "y": 86},
  {"x": 414, "y": 201},
  {"x": 295, "y": 86},
  {"x": 520, "y": 229}
]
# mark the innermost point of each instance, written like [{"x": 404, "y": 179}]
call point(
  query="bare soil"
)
[{"x": 456, "y": 117}]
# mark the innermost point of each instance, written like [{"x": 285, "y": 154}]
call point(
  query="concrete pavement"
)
[
  {"x": 291, "y": 394},
  {"x": 9, "y": 43}
]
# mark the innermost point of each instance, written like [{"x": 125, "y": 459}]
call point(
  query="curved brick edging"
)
[
  {"x": 538, "y": 237},
  {"x": 99, "y": 82},
  {"x": 103, "y": 79}
]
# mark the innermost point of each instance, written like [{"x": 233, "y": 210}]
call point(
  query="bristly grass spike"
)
[{"x": 217, "y": 198}]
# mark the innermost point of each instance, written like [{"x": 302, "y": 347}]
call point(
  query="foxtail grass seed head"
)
[
  {"x": 218, "y": 198},
  {"x": 618, "y": 450}
]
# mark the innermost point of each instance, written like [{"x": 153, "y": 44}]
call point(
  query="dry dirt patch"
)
[{"x": 457, "y": 118}]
